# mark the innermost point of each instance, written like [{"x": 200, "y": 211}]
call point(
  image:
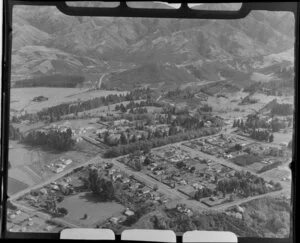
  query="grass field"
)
[
  {"x": 29, "y": 163},
  {"x": 15, "y": 186},
  {"x": 21, "y": 97},
  {"x": 86, "y": 203},
  {"x": 244, "y": 160}
]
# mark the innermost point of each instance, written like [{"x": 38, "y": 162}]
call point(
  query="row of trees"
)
[
  {"x": 54, "y": 139},
  {"x": 201, "y": 193},
  {"x": 55, "y": 113},
  {"x": 206, "y": 108},
  {"x": 180, "y": 94},
  {"x": 157, "y": 142},
  {"x": 282, "y": 109},
  {"x": 132, "y": 105},
  {"x": 262, "y": 135},
  {"x": 254, "y": 122}
]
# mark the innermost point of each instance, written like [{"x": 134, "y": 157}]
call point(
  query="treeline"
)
[
  {"x": 282, "y": 109},
  {"x": 206, "y": 108},
  {"x": 157, "y": 142},
  {"x": 203, "y": 192},
  {"x": 262, "y": 135},
  {"x": 269, "y": 166},
  {"x": 55, "y": 80},
  {"x": 54, "y": 139},
  {"x": 253, "y": 122},
  {"x": 133, "y": 105},
  {"x": 55, "y": 113},
  {"x": 180, "y": 93}
]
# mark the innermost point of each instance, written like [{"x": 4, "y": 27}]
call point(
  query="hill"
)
[{"x": 45, "y": 41}]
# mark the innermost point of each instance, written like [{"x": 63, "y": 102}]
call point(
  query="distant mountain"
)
[{"x": 46, "y": 41}]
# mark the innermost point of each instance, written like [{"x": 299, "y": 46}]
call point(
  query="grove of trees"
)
[
  {"x": 53, "y": 138},
  {"x": 100, "y": 184}
]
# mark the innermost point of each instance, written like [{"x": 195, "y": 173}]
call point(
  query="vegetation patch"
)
[{"x": 246, "y": 159}]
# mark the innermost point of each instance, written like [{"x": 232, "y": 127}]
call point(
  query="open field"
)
[
  {"x": 15, "y": 185},
  {"x": 21, "y": 98},
  {"x": 280, "y": 137},
  {"x": 32, "y": 168},
  {"x": 86, "y": 203}
]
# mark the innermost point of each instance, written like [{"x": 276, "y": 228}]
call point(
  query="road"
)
[
  {"x": 224, "y": 206},
  {"x": 101, "y": 79},
  {"x": 223, "y": 162},
  {"x": 166, "y": 190},
  {"x": 54, "y": 178}
]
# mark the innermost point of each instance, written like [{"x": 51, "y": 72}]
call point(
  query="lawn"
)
[
  {"x": 15, "y": 186},
  {"x": 86, "y": 203},
  {"x": 247, "y": 159}
]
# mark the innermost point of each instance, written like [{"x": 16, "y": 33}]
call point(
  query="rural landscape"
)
[{"x": 178, "y": 124}]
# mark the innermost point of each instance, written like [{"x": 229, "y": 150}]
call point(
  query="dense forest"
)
[{"x": 54, "y": 139}]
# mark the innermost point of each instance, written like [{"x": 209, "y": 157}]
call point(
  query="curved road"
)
[{"x": 101, "y": 79}]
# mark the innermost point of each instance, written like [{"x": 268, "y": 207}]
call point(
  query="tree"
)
[
  {"x": 238, "y": 147},
  {"x": 137, "y": 165},
  {"x": 180, "y": 164},
  {"x": 147, "y": 161},
  {"x": 123, "y": 138},
  {"x": 234, "y": 123},
  {"x": 100, "y": 184},
  {"x": 291, "y": 144}
]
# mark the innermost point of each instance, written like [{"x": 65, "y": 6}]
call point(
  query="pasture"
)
[{"x": 21, "y": 98}]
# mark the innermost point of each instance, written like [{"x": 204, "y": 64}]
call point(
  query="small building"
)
[
  {"x": 128, "y": 212},
  {"x": 68, "y": 161},
  {"x": 183, "y": 182},
  {"x": 146, "y": 190},
  {"x": 239, "y": 216},
  {"x": 239, "y": 209},
  {"x": 125, "y": 180}
]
